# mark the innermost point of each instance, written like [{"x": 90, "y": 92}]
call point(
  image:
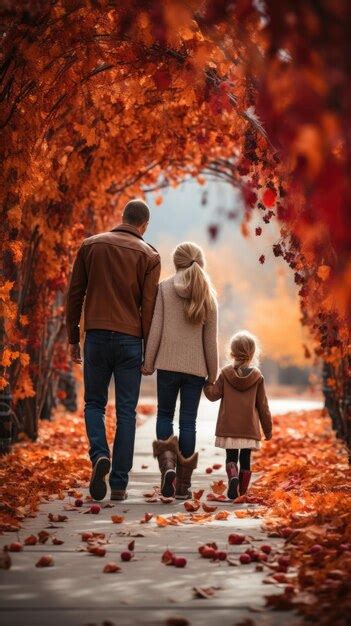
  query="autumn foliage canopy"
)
[{"x": 103, "y": 100}]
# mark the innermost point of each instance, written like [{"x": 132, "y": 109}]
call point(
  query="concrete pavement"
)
[{"x": 75, "y": 591}]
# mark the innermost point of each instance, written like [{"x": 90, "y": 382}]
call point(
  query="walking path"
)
[{"x": 76, "y": 592}]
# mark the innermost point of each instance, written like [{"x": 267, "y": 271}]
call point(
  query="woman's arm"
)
[
  {"x": 155, "y": 334},
  {"x": 263, "y": 410},
  {"x": 214, "y": 391},
  {"x": 210, "y": 342}
]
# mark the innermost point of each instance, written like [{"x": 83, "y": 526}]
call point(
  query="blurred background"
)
[{"x": 261, "y": 297}]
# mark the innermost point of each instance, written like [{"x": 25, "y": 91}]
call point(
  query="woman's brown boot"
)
[
  {"x": 185, "y": 468},
  {"x": 244, "y": 481},
  {"x": 166, "y": 454}
]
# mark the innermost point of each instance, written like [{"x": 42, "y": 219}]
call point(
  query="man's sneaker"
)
[
  {"x": 98, "y": 487},
  {"x": 119, "y": 494}
]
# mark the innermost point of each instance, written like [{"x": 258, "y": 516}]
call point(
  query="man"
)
[{"x": 117, "y": 273}]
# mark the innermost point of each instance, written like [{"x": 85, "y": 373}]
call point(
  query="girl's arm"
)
[
  {"x": 214, "y": 392},
  {"x": 155, "y": 334},
  {"x": 210, "y": 342},
  {"x": 263, "y": 410}
]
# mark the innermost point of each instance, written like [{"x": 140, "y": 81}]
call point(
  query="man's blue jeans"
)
[
  {"x": 108, "y": 353},
  {"x": 169, "y": 385}
]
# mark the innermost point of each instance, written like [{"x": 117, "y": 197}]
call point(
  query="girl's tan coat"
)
[{"x": 244, "y": 404}]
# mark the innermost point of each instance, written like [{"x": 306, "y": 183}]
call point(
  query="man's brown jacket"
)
[{"x": 117, "y": 273}]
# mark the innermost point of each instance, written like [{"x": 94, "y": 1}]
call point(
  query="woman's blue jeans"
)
[
  {"x": 109, "y": 353},
  {"x": 169, "y": 386}
]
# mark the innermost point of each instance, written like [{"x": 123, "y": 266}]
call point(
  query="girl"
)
[
  {"x": 243, "y": 408},
  {"x": 182, "y": 346}
]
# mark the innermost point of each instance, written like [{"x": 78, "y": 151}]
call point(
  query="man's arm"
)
[
  {"x": 154, "y": 339},
  {"x": 150, "y": 288},
  {"x": 75, "y": 298}
]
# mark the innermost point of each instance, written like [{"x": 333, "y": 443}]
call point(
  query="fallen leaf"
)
[
  {"x": 147, "y": 517},
  {"x": 212, "y": 497},
  {"x": 222, "y": 515},
  {"x": 45, "y": 561},
  {"x": 43, "y": 536},
  {"x": 31, "y": 540},
  {"x": 209, "y": 509},
  {"x": 197, "y": 495},
  {"x": 111, "y": 568},
  {"x": 205, "y": 592},
  {"x": 191, "y": 506},
  {"x": 219, "y": 487},
  {"x": 117, "y": 519},
  {"x": 57, "y": 542},
  {"x": 57, "y": 518},
  {"x": 167, "y": 557}
]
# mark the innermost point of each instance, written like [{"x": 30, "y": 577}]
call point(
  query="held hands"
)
[
  {"x": 145, "y": 371},
  {"x": 75, "y": 353}
]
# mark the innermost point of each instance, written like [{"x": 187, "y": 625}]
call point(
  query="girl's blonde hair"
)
[
  {"x": 189, "y": 257},
  {"x": 245, "y": 350}
]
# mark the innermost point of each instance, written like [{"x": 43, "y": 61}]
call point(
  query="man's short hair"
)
[{"x": 136, "y": 212}]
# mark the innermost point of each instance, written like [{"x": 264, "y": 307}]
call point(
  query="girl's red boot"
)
[
  {"x": 244, "y": 481},
  {"x": 233, "y": 480}
]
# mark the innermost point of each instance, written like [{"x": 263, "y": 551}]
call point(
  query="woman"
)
[{"x": 182, "y": 346}]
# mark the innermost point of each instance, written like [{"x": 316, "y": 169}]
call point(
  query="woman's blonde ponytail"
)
[{"x": 201, "y": 297}]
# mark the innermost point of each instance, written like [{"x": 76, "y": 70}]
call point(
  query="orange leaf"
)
[
  {"x": 117, "y": 519},
  {"x": 209, "y": 509},
  {"x": 147, "y": 517},
  {"x": 213, "y": 497},
  {"x": 45, "y": 561},
  {"x": 218, "y": 487},
  {"x": 111, "y": 568},
  {"x": 197, "y": 495},
  {"x": 191, "y": 506},
  {"x": 222, "y": 515}
]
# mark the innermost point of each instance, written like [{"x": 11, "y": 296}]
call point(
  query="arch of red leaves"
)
[{"x": 101, "y": 100}]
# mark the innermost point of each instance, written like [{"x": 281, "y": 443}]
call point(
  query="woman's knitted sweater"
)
[{"x": 174, "y": 343}]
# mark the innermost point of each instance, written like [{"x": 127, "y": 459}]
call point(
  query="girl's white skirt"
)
[{"x": 237, "y": 443}]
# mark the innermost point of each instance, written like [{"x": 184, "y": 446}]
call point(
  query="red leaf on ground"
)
[
  {"x": 111, "y": 568},
  {"x": 117, "y": 519},
  {"x": 191, "y": 506},
  {"x": 31, "y": 540},
  {"x": 219, "y": 487},
  {"x": 45, "y": 561},
  {"x": 57, "y": 518},
  {"x": 212, "y": 497},
  {"x": 205, "y": 592},
  {"x": 209, "y": 509},
  {"x": 197, "y": 495},
  {"x": 167, "y": 557}
]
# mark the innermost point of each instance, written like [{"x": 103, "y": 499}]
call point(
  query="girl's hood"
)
[
  {"x": 181, "y": 288},
  {"x": 241, "y": 383}
]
